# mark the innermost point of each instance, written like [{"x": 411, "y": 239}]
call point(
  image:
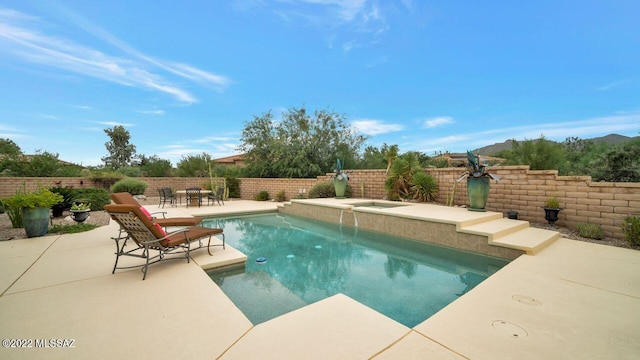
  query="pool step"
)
[
  {"x": 514, "y": 234},
  {"x": 530, "y": 240},
  {"x": 494, "y": 229}
]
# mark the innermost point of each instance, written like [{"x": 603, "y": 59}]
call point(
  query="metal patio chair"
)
[
  {"x": 194, "y": 195},
  {"x": 217, "y": 196},
  {"x": 152, "y": 243}
]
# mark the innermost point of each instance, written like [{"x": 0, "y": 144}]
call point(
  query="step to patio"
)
[
  {"x": 495, "y": 229},
  {"x": 530, "y": 240}
]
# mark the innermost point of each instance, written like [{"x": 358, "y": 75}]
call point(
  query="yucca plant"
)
[{"x": 424, "y": 186}]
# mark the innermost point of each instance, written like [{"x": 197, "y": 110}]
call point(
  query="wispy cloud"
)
[
  {"x": 437, "y": 121},
  {"x": 114, "y": 123},
  {"x": 21, "y": 37},
  {"x": 349, "y": 23},
  {"x": 612, "y": 85},
  {"x": 559, "y": 131},
  {"x": 374, "y": 127},
  {"x": 152, "y": 112}
]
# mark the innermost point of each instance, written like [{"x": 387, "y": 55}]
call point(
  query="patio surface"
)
[{"x": 569, "y": 300}]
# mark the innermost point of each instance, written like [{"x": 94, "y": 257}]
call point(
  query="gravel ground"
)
[
  {"x": 7, "y": 232},
  {"x": 101, "y": 218}
]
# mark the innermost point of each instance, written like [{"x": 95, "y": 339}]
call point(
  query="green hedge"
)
[
  {"x": 97, "y": 197},
  {"x": 327, "y": 190},
  {"x": 132, "y": 186}
]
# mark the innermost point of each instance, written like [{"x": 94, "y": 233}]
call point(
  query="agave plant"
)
[{"x": 477, "y": 169}]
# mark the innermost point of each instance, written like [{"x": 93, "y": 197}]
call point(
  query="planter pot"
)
[
  {"x": 478, "y": 192},
  {"x": 340, "y": 184},
  {"x": 35, "y": 221},
  {"x": 80, "y": 215},
  {"x": 551, "y": 214},
  {"x": 57, "y": 209}
]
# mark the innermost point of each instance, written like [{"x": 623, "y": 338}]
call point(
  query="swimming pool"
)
[{"x": 307, "y": 261}]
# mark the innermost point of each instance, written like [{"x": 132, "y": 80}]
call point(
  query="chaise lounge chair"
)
[
  {"x": 123, "y": 198},
  {"x": 150, "y": 237}
]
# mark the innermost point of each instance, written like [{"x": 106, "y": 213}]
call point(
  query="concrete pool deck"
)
[{"x": 569, "y": 300}]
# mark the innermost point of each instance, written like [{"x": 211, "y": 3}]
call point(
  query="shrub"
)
[
  {"x": 132, "y": 186},
  {"x": 327, "y": 190},
  {"x": 262, "y": 196},
  {"x": 631, "y": 229},
  {"x": 591, "y": 231},
  {"x": 105, "y": 178},
  {"x": 280, "y": 196},
  {"x": 552, "y": 203},
  {"x": 233, "y": 184},
  {"x": 424, "y": 186},
  {"x": 97, "y": 197},
  {"x": 67, "y": 195}
]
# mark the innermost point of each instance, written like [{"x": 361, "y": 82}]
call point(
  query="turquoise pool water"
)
[{"x": 307, "y": 261}]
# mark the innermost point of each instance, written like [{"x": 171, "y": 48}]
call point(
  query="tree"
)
[
  {"x": 539, "y": 154},
  {"x": 153, "y": 166},
  {"x": 390, "y": 155},
  {"x": 300, "y": 145},
  {"x": 8, "y": 147},
  {"x": 194, "y": 165},
  {"x": 372, "y": 158},
  {"x": 618, "y": 164},
  {"x": 121, "y": 153}
]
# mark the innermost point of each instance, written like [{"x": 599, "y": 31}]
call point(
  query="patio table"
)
[{"x": 184, "y": 192}]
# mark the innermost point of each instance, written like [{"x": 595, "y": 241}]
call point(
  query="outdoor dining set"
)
[{"x": 194, "y": 196}]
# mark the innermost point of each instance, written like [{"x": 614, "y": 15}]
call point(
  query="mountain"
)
[{"x": 610, "y": 139}]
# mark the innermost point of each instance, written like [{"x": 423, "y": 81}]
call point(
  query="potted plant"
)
[
  {"x": 34, "y": 209},
  {"x": 551, "y": 210},
  {"x": 478, "y": 185},
  {"x": 66, "y": 203},
  {"x": 340, "y": 181},
  {"x": 80, "y": 211}
]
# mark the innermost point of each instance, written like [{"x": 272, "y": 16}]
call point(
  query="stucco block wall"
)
[
  {"x": 526, "y": 191},
  {"x": 519, "y": 189}
]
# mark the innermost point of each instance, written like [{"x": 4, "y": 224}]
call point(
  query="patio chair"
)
[
  {"x": 217, "y": 196},
  {"x": 151, "y": 238},
  {"x": 166, "y": 194},
  {"x": 194, "y": 196},
  {"x": 124, "y": 198}
]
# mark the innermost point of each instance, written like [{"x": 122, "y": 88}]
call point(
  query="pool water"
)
[{"x": 293, "y": 262}]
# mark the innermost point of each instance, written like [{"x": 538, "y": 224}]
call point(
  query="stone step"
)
[
  {"x": 495, "y": 229},
  {"x": 531, "y": 240}
]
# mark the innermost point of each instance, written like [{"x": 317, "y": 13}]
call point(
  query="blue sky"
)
[{"x": 183, "y": 77}]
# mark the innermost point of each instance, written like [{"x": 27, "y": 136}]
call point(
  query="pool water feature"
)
[{"x": 304, "y": 261}]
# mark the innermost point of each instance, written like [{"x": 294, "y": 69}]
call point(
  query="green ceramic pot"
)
[
  {"x": 35, "y": 221},
  {"x": 478, "y": 192},
  {"x": 340, "y": 184}
]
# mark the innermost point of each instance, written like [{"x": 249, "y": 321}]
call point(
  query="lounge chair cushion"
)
[
  {"x": 124, "y": 198},
  {"x": 146, "y": 212},
  {"x": 160, "y": 229}
]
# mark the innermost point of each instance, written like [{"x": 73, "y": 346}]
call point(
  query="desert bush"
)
[
  {"x": 591, "y": 231},
  {"x": 280, "y": 196},
  {"x": 631, "y": 229},
  {"x": 132, "y": 186},
  {"x": 233, "y": 184},
  {"x": 262, "y": 196},
  {"x": 97, "y": 197},
  {"x": 327, "y": 190}
]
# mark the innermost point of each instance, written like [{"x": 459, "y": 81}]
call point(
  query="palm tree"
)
[{"x": 390, "y": 155}]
